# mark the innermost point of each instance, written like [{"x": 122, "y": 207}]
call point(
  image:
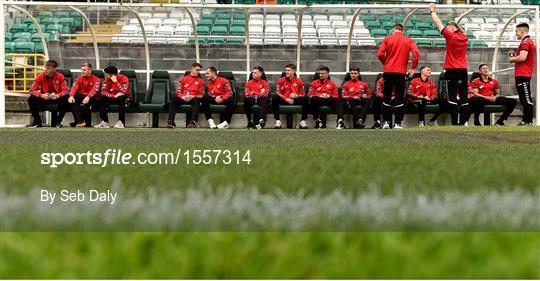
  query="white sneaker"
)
[
  {"x": 102, "y": 124},
  {"x": 398, "y": 126},
  {"x": 466, "y": 124},
  {"x": 223, "y": 125},
  {"x": 278, "y": 124},
  {"x": 211, "y": 124},
  {"x": 433, "y": 123},
  {"x": 303, "y": 124},
  {"x": 119, "y": 125},
  {"x": 386, "y": 125},
  {"x": 421, "y": 124}
]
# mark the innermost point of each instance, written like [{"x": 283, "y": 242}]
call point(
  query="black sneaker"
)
[
  {"x": 499, "y": 123},
  {"x": 73, "y": 124},
  {"x": 250, "y": 125},
  {"x": 34, "y": 125},
  {"x": 261, "y": 124},
  {"x": 377, "y": 125},
  {"x": 477, "y": 123},
  {"x": 58, "y": 125},
  {"x": 171, "y": 125}
]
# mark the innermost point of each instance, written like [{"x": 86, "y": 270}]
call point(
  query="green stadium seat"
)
[
  {"x": 387, "y": 25},
  {"x": 22, "y": 37},
  {"x": 432, "y": 34},
  {"x": 157, "y": 96},
  {"x": 47, "y": 21},
  {"x": 36, "y": 38},
  {"x": 18, "y": 27},
  {"x": 222, "y": 22},
  {"x": 8, "y": 36},
  {"x": 424, "y": 43},
  {"x": 238, "y": 22},
  {"x": 67, "y": 23},
  {"x": 216, "y": 40},
  {"x": 414, "y": 33},
  {"x": 398, "y": 18},
  {"x": 203, "y": 30},
  {"x": 415, "y": 19},
  {"x": 54, "y": 28},
  {"x": 205, "y": 22},
  {"x": 32, "y": 28},
  {"x": 235, "y": 41},
  {"x": 372, "y": 24},
  {"x": 378, "y": 32},
  {"x": 439, "y": 43},
  {"x": 385, "y": 17},
  {"x": 222, "y": 15},
  {"x": 29, "y": 22},
  {"x": 219, "y": 30},
  {"x": 368, "y": 18},
  {"x": 38, "y": 47},
  {"x": 424, "y": 26},
  {"x": 10, "y": 47},
  {"x": 237, "y": 31},
  {"x": 24, "y": 47},
  {"x": 77, "y": 23}
]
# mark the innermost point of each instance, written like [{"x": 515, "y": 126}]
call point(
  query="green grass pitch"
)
[{"x": 418, "y": 203}]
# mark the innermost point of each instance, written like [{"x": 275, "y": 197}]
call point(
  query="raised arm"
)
[{"x": 435, "y": 17}]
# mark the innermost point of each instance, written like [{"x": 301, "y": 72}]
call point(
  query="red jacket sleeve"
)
[
  {"x": 345, "y": 90},
  {"x": 266, "y": 88},
  {"x": 180, "y": 88},
  {"x": 368, "y": 91},
  {"x": 63, "y": 87},
  {"x": 413, "y": 89},
  {"x": 433, "y": 93},
  {"x": 36, "y": 87},
  {"x": 334, "y": 90},
  {"x": 75, "y": 87},
  {"x": 381, "y": 54},
  {"x": 228, "y": 89},
  {"x": 300, "y": 85},
  {"x": 312, "y": 90},
  {"x": 379, "y": 88}
]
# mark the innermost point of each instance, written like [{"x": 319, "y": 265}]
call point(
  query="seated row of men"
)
[{"x": 356, "y": 96}]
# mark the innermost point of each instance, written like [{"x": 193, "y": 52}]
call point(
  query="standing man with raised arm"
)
[
  {"x": 394, "y": 55},
  {"x": 455, "y": 65},
  {"x": 525, "y": 59}
]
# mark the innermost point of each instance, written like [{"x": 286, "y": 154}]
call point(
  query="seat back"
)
[
  {"x": 132, "y": 76},
  {"x": 442, "y": 87},
  {"x": 67, "y": 76},
  {"x": 159, "y": 89},
  {"x": 475, "y": 75}
]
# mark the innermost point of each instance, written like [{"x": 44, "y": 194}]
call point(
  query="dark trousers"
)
[
  {"x": 195, "y": 108},
  {"x": 457, "y": 85},
  {"x": 262, "y": 102},
  {"x": 277, "y": 101},
  {"x": 207, "y": 100},
  {"x": 421, "y": 107},
  {"x": 104, "y": 103},
  {"x": 81, "y": 112},
  {"x": 351, "y": 104},
  {"x": 523, "y": 85},
  {"x": 394, "y": 82},
  {"x": 477, "y": 106},
  {"x": 35, "y": 102},
  {"x": 376, "y": 107},
  {"x": 317, "y": 102}
]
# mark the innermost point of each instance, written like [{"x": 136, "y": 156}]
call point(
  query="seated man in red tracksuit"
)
[
  {"x": 290, "y": 90},
  {"x": 256, "y": 93},
  {"x": 356, "y": 93},
  {"x": 190, "y": 90},
  {"x": 423, "y": 91},
  {"x": 323, "y": 92},
  {"x": 115, "y": 90},
  {"x": 486, "y": 92},
  {"x": 49, "y": 87},
  {"x": 83, "y": 95},
  {"x": 218, "y": 91}
]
